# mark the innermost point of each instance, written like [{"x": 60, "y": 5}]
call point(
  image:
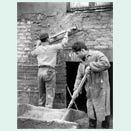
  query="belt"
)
[{"x": 43, "y": 66}]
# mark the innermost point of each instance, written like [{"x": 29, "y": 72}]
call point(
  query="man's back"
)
[{"x": 46, "y": 55}]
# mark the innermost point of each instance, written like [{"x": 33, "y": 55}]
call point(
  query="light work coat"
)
[{"x": 97, "y": 85}]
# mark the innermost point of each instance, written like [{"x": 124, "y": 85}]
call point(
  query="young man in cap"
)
[
  {"x": 46, "y": 57},
  {"x": 97, "y": 87}
]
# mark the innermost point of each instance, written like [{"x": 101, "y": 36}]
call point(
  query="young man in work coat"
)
[
  {"x": 46, "y": 56},
  {"x": 97, "y": 87}
]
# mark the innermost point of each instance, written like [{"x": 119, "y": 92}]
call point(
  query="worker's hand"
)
[
  {"x": 66, "y": 34},
  {"x": 74, "y": 88},
  {"x": 87, "y": 70},
  {"x": 38, "y": 42},
  {"x": 68, "y": 30}
]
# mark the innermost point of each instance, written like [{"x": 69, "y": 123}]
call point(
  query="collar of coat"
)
[{"x": 86, "y": 56}]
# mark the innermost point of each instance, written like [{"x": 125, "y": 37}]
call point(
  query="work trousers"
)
[{"x": 47, "y": 85}]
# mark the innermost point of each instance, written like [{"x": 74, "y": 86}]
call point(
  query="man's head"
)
[
  {"x": 80, "y": 49},
  {"x": 44, "y": 37}
]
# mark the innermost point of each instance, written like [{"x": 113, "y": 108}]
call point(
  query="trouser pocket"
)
[{"x": 50, "y": 74}]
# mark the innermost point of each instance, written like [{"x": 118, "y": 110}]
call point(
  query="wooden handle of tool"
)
[
  {"x": 62, "y": 32},
  {"x": 75, "y": 94}
]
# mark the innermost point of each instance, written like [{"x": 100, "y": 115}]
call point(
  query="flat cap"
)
[{"x": 44, "y": 36}]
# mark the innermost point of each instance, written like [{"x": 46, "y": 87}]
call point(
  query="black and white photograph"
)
[{"x": 65, "y": 65}]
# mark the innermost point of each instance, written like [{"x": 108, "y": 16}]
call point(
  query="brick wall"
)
[
  {"x": 26, "y": 64},
  {"x": 96, "y": 31}
]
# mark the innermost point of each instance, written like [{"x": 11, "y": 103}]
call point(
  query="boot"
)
[
  {"x": 48, "y": 106},
  {"x": 99, "y": 125}
]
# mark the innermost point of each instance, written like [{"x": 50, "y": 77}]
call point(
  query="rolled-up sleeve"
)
[
  {"x": 65, "y": 42},
  {"x": 101, "y": 63},
  {"x": 60, "y": 45},
  {"x": 57, "y": 46}
]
